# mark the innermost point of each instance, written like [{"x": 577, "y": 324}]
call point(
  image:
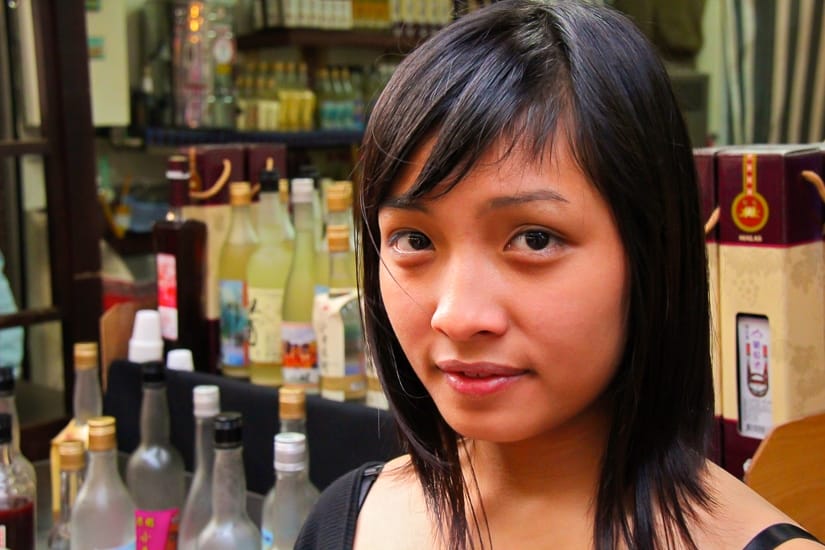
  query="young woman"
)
[{"x": 534, "y": 276}]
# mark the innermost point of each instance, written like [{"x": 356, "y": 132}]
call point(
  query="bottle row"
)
[
  {"x": 285, "y": 285},
  {"x": 416, "y": 17},
  {"x": 94, "y": 507},
  {"x": 277, "y": 96}
]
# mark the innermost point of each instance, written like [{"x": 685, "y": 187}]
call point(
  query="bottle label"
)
[
  {"x": 234, "y": 323},
  {"x": 167, "y": 295},
  {"x": 156, "y": 529},
  {"x": 267, "y": 540},
  {"x": 265, "y": 305},
  {"x": 755, "y": 400},
  {"x": 300, "y": 354}
]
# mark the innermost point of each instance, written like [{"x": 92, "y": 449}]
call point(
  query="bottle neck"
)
[
  {"x": 270, "y": 222},
  {"x": 154, "y": 415},
  {"x": 70, "y": 482},
  {"x": 296, "y": 425},
  {"x": 340, "y": 273},
  {"x": 241, "y": 228},
  {"x": 102, "y": 467},
  {"x": 304, "y": 227},
  {"x": 204, "y": 446},
  {"x": 228, "y": 485},
  {"x": 9, "y": 405},
  {"x": 288, "y": 478},
  {"x": 87, "y": 398}
]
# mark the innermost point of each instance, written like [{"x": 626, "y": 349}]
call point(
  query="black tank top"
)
[{"x": 776, "y": 534}]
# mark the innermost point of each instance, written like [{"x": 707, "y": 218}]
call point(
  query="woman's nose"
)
[{"x": 470, "y": 301}]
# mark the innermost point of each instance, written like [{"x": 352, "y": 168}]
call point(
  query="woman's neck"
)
[{"x": 561, "y": 468}]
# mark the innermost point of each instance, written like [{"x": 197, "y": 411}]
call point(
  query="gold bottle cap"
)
[
  {"x": 338, "y": 238},
  {"x": 72, "y": 455},
  {"x": 291, "y": 403},
  {"x": 102, "y": 433},
  {"x": 240, "y": 193},
  {"x": 339, "y": 197},
  {"x": 85, "y": 355}
]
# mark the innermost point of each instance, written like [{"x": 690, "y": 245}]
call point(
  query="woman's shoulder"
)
[
  {"x": 394, "y": 510},
  {"x": 738, "y": 514}
]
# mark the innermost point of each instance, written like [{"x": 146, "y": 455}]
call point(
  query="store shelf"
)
[
  {"x": 274, "y": 37},
  {"x": 178, "y": 137}
]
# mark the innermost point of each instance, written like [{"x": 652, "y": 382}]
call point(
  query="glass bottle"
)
[
  {"x": 16, "y": 494},
  {"x": 155, "y": 472},
  {"x": 229, "y": 526},
  {"x": 241, "y": 242},
  {"x": 72, "y": 463},
  {"x": 290, "y": 500},
  {"x": 292, "y": 411},
  {"x": 87, "y": 400},
  {"x": 266, "y": 276},
  {"x": 343, "y": 376},
  {"x": 300, "y": 362},
  {"x": 198, "y": 509},
  {"x": 103, "y": 515},
  {"x": 8, "y": 405},
  {"x": 180, "y": 258}
]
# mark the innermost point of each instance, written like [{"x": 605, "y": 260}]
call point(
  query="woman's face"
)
[{"x": 507, "y": 294}]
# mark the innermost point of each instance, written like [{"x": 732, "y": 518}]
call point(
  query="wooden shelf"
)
[
  {"x": 181, "y": 137},
  {"x": 23, "y": 147},
  {"x": 274, "y": 37}
]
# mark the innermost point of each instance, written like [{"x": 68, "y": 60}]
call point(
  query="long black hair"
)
[{"x": 530, "y": 72}]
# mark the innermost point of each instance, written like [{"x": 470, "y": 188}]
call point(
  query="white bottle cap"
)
[
  {"x": 146, "y": 343},
  {"x": 290, "y": 451},
  {"x": 302, "y": 189},
  {"x": 180, "y": 359},
  {"x": 207, "y": 401}
]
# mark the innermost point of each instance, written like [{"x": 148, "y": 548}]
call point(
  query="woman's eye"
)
[
  {"x": 410, "y": 241},
  {"x": 535, "y": 239}
]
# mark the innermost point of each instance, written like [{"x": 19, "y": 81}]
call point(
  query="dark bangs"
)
[{"x": 484, "y": 85}]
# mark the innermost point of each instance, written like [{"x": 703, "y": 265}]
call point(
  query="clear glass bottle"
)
[
  {"x": 266, "y": 277},
  {"x": 17, "y": 510},
  {"x": 72, "y": 464},
  {"x": 8, "y": 405},
  {"x": 286, "y": 216},
  {"x": 290, "y": 500},
  {"x": 155, "y": 472},
  {"x": 103, "y": 515},
  {"x": 87, "y": 399},
  {"x": 343, "y": 373},
  {"x": 300, "y": 354},
  {"x": 241, "y": 242},
  {"x": 198, "y": 509},
  {"x": 229, "y": 526}
]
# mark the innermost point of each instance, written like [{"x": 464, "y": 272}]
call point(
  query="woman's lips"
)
[{"x": 479, "y": 379}]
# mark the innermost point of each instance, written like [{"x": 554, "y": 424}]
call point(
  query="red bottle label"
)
[
  {"x": 168, "y": 295},
  {"x": 156, "y": 529}
]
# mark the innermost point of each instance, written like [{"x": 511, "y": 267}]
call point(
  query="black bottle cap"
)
[
  {"x": 153, "y": 373},
  {"x": 269, "y": 181},
  {"x": 6, "y": 381},
  {"x": 5, "y": 428},
  {"x": 228, "y": 430},
  {"x": 310, "y": 171}
]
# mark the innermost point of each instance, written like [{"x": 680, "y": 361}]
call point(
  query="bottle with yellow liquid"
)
[
  {"x": 241, "y": 242},
  {"x": 266, "y": 278},
  {"x": 300, "y": 350}
]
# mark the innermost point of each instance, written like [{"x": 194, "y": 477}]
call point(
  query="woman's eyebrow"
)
[
  {"x": 403, "y": 202},
  {"x": 531, "y": 196}
]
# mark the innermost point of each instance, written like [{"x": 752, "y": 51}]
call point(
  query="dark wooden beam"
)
[
  {"x": 10, "y": 148},
  {"x": 29, "y": 317}
]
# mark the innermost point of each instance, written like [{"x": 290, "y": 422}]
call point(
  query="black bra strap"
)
[
  {"x": 776, "y": 534},
  {"x": 368, "y": 477}
]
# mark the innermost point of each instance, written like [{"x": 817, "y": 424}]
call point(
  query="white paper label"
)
[
  {"x": 753, "y": 353},
  {"x": 265, "y": 306}
]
